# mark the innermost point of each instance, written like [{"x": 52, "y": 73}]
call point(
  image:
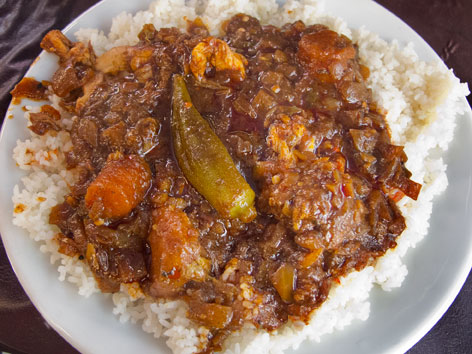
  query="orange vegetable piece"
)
[
  {"x": 325, "y": 54},
  {"x": 175, "y": 251},
  {"x": 119, "y": 187},
  {"x": 311, "y": 258},
  {"x": 284, "y": 282},
  {"x": 211, "y": 315}
]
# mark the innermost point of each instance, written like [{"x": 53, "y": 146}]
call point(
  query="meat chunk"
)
[
  {"x": 55, "y": 42},
  {"x": 124, "y": 58},
  {"x": 364, "y": 140},
  {"x": 76, "y": 61},
  {"x": 88, "y": 89},
  {"x": 215, "y": 53},
  {"x": 68, "y": 220},
  {"x": 119, "y": 188},
  {"x": 114, "y": 135},
  {"x": 143, "y": 137},
  {"x": 114, "y": 60},
  {"x": 82, "y": 54},
  {"x": 47, "y": 119},
  {"x": 87, "y": 130},
  {"x": 65, "y": 79},
  {"x": 243, "y": 32},
  {"x": 114, "y": 266},
  {"x": 306, "y": 196},
  {"x": 385, "y": 217},
  {"x": 285, "y": 137}
]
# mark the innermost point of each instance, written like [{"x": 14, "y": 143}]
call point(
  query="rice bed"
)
[{"x": 422, "y": 101}]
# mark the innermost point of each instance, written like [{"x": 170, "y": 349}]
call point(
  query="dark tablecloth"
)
[{"x": 444, "y": 24}]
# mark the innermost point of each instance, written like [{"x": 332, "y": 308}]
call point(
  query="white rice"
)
[{"x": 422, "y": 101}]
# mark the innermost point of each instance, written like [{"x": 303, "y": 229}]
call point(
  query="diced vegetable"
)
[
  {"x": 119, "y": 188},
  {"x": 211, "y": 315},
  {"x": 284, "y": 282},
  {"x": 325, "y": 54},
  {"x": 311, "y": 258}
]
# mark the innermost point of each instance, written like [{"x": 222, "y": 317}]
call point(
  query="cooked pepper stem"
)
[{"x": 204, "y": 160}]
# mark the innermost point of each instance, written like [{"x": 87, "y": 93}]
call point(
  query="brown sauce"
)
[
  {"x": 29, "y": 88},
  {"x": 293, "y": 110}
]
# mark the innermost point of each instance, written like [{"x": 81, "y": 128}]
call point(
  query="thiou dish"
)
[{"x": 230, "y": 186}]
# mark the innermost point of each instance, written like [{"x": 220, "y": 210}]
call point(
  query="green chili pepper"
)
[{"x": 205, "y": 161}]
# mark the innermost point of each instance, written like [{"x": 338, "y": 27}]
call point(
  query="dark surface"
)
[{"x": 444, "y": 24}]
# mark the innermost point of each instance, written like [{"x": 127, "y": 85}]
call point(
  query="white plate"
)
[{"x": 438, "y": 267}]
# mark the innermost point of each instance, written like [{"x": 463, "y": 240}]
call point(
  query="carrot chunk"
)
[
  {"x": 175, "y": 251},
  {"x": 119, "y": 187},
  {"x": 325, "y": 54}
]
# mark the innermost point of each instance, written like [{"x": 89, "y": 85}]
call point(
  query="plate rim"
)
[{"x": 428, "y": 322}]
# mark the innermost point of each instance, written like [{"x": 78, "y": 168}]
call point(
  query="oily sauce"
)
[{"x": 291, "y": 106}]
